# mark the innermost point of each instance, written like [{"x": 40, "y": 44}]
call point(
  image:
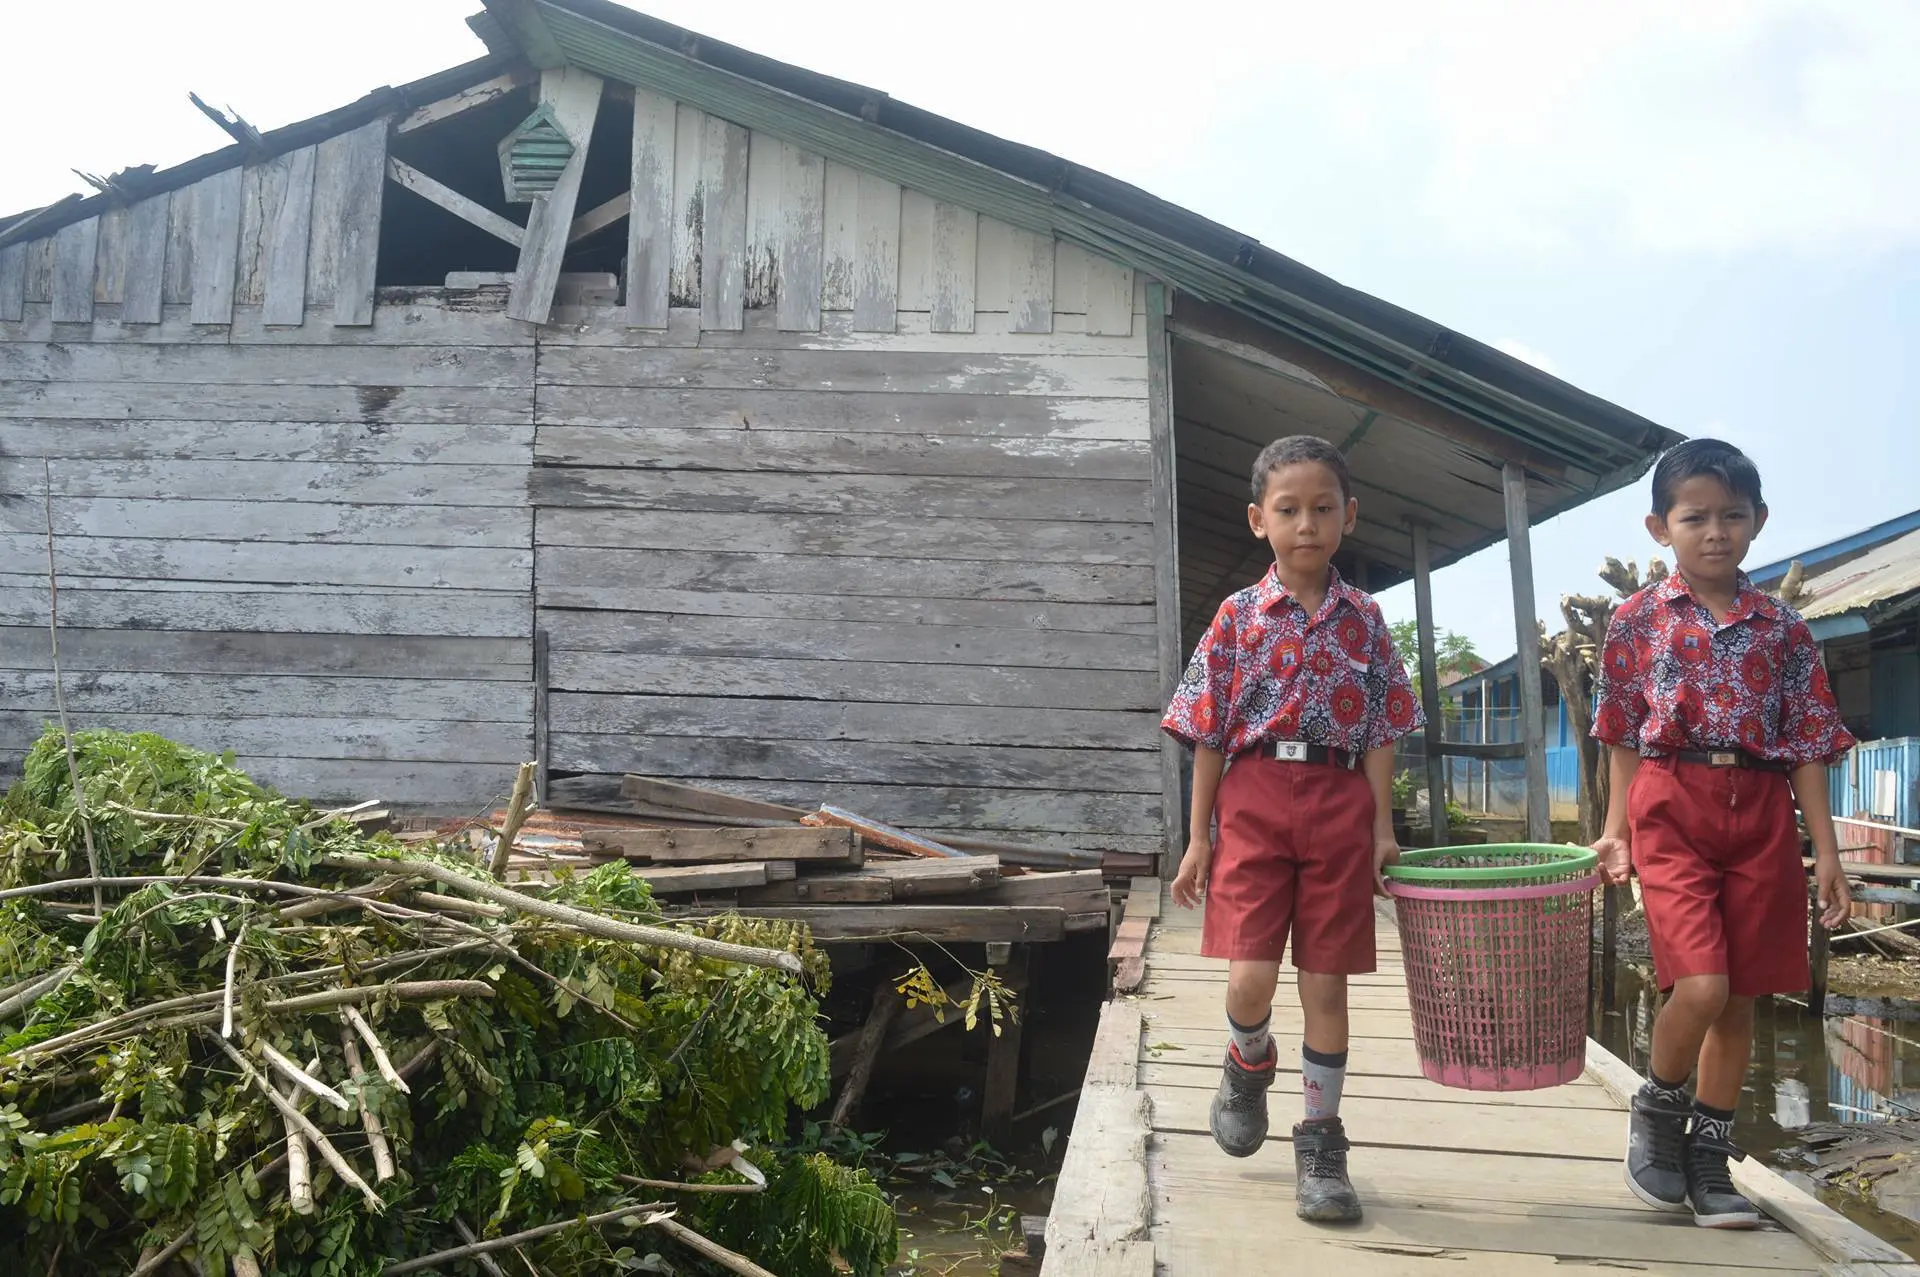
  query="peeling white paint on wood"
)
[
  {"x": 799, "y": 262},
  {"x": 13, "y": 282},
  {"x": 689, "y": 149},
  {"x": 110, "y": 258},
  {"x": 841, "y": 221},
  {"x": 876, "y": 273},
  {"x": 723, "y": 224},
  {"x": 73, "y": 264},
  {"x": 216, "y": 245},
  {"x": 650, "y": 233},
  {"x": 287, "y": 236},
  {"x": 146, "y": 261}
]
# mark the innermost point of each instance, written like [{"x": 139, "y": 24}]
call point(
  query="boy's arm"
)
[
  {"x": 1614, "y": 843},
  {"x": 1190, "y": 884},
  {"x": 1377, "y": 763},
  {"x": 1830, "y": 878}
]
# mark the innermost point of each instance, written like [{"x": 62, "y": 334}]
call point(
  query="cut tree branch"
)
[
  {"x": 511, "y": 1240},
  {"x": 579, "y": 919}
]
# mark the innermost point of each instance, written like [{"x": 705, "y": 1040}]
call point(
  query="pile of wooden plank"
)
[{"x": 849, "y": 878}]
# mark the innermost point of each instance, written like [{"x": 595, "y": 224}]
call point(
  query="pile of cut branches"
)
[{"x": 262, "y": 1040}]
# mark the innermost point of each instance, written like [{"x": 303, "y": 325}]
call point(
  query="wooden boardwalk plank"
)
[{"x": 1509, "y": 1185}]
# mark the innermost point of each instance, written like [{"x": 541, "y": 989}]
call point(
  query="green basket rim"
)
[{"x": 1557, "y": 863}]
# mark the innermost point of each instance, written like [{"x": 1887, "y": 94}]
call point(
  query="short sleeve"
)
[
  {"x": 1810, "y": 727},
  {"x": 1619, "y": 694},
  {"x": 1394, "y": 710},
  {"x": 1198, "y": 712}
]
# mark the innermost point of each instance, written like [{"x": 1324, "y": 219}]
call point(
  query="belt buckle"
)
[
  {"x": 1723, "y": 758},
  {"x": 1290, "y": 751}
]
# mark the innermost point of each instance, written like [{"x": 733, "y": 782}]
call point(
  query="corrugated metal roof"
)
[{"x": 1883, "y": 574}]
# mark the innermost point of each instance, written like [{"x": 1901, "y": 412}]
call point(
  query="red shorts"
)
[
  {"x": 1718, "y": 854},
  {"x": 1294, "y": 853}
]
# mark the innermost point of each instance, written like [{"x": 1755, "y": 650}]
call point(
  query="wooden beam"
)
[
  {"x": 435, "y": 192},
  {"x": 1282, "y": 355},
  {"x": 1166, "y": 552},
  {"x": 1526, "y": 627},
  {"x": 465, "y": 100},
  {"x": 884, "y": 882},
  {"x": 600, "y": 217},
  {"x": 575, "y": 98},
  {"x": 676, "y": 879},
  {"x": 1430, "y": 684},
  {"x": 542, "y": 713},
  {"x": 999, "y": 1093},
  {"x": 866, "y": 1053},
  {"x": 711, "y": 846},
  {"x": 948, "y": 924},
  {"x": 704, "y": 802}
]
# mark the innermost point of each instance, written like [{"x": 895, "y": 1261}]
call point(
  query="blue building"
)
[
  {"x": 1864, "y": 606},
  {"x": 1484, "y": 708}
]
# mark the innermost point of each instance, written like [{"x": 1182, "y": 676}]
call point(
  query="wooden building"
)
[{"x": 631, "y": 400}]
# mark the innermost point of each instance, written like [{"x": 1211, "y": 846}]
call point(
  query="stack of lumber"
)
[{"x": 849, "y": 878}]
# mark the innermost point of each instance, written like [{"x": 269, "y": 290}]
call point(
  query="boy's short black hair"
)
[
  {"x": 1708, "y": 458},
  {"x": 1291, "y": 451}
]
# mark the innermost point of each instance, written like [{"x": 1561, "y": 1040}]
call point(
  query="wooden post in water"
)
[{"x": 1001, "y": 1092}]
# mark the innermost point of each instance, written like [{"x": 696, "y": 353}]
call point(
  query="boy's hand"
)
[
  {"x": 1616, "y": 860},
  {"x": 1190, "y": 885},
  {"x": 1386, "y": 851},
  {"x": 1835, "y": 896}
]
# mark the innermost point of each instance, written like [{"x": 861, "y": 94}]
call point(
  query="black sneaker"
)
[
  {"x": 1716, "y": 1202},
  {"x": 1656, "y": 1150},
  {"x": 1239, "y": 1115},
  {"x": 1321, "y": 1190}
]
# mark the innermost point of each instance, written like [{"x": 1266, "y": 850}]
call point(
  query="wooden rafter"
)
[
  {"x": 437, "y": 192},
  {"x": 479, "y": 95}
]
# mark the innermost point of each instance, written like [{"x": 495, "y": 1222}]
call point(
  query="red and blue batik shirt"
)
[
  {"x": 1267, "y": 671},
  {"x": 1674, "y": 678}
]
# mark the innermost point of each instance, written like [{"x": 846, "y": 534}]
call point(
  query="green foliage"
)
[
  {"x": 124, "y": 1125},
  {"x": 815, "y": 1212},
  {"x": 1454, "y": 654}
]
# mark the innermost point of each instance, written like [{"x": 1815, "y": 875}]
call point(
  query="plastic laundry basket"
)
[{"x": 1495, "y": 942}]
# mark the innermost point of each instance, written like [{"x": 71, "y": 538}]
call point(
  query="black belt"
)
[
  {"x": 1729, "y": 758},
  {"x": 1294, "y": 751}
]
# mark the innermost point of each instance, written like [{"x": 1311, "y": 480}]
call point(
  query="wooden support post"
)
[
  {"x": 575, "y": 98},
  {"x": 866, "y": 1053},
  {"x": 1526, "y": 633},
  {"x": 1166, "y": 557},
  {"x": 999, "y": 1096},
  {"x": 1430, "y": 684},
  {"x": 1820, "y": 940}
]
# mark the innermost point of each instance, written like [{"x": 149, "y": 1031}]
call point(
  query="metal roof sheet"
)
[{"x": 1884, "y": 574}]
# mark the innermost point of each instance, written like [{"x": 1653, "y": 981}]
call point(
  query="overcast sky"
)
[{"x": 1707, "y": 211}]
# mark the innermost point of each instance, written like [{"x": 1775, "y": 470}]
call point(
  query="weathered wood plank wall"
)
[
  {"x": 275, "y": 543},
  {"x": 858, "y": 510},
  {"x": 848, "y": 500}
]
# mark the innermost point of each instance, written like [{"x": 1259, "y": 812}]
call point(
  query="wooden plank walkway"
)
[{"x": 1454, "y": 1182}]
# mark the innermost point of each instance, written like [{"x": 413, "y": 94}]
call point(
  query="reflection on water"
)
[{"x": 1804, "y": 1073}]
